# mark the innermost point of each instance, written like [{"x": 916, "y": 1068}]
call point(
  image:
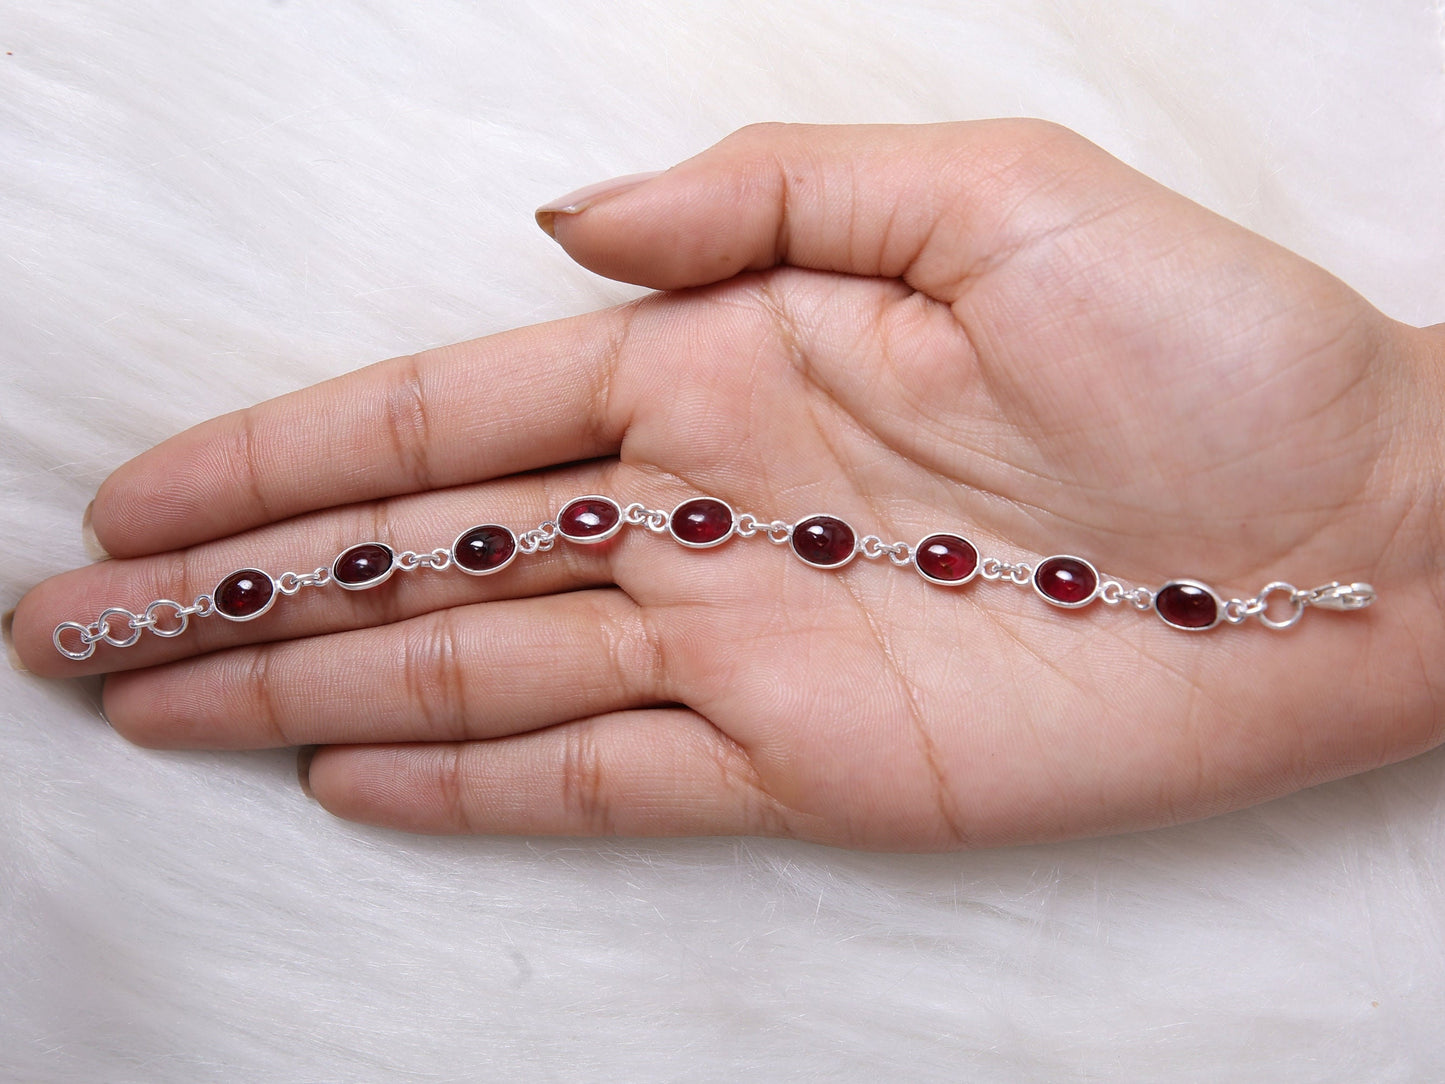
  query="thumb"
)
[{"x": 933, "y": 205}]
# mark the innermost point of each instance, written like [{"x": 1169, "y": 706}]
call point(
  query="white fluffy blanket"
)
[{"x": 204, "y": 204}]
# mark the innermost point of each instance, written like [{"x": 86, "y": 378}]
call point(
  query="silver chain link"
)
[
  {"x": 639, "y": 515},
  {"x": 1341, "y": 597},
  {"x": 778, "y": 531},
  {"x": 1112, "y": 593},
  {"x": 538, "y": 540},
  {"x": 873, "y": 548},
  {"x": 993, "y": 568},
  {"x": 288, "y": 583},
  {"x": 98, "y": 631},
  {"x": 437, "y": 560}
]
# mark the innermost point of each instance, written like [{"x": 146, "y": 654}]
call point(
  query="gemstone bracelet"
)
[{"x": 823, "y": 541}]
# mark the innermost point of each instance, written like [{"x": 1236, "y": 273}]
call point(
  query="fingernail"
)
[
  {"x": 92, "y": 545},
  {"x": 10, "y": 653},
  {"x": 304, "y": 756},
  {"x": 574, "y": 203}
]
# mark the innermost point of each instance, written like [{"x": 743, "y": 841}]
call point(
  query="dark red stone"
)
[
  {"x": 946, "y": 558},
  {"x": 824, "y": 541},
  {"x": 589, "y": 519},
  {"x": 484, "y": 549},
  {"x": 702, "y": 521},
  {"x": 363, "y": 565},
  {"x": 1186, "y": 606},
  {"x": 1067, "y": 581},
  {"x": 244, "y": 594}
]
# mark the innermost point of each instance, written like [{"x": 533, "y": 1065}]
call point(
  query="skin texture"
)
[{"x": 992, "y": 328}]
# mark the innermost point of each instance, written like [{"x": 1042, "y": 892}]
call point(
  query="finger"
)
[
  {"x": 513, "y": 402},
  {"x": 421, "y": 523},
  {"x": 468, "y": 672},
  {"x": 636, "y": 773},
  {"x": 934, "y": 205}
]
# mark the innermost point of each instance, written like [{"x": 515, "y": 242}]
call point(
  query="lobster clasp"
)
[{"x": 1341, "y": 596}]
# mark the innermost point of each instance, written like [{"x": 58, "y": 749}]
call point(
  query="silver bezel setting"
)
[
  {"x": 1218, "y": 605},
  {"x": 275, "y": 590},
  {"x": 380, "y": 578},
  {"x": 589, "y": 540},
  {"x": 485, "y": 571},
  {"x": 977, "y": 559},
  {"x": 732, "y": 524},
  {"x": 793, "y": 534},
  {"x": 1098, "y": 581}
]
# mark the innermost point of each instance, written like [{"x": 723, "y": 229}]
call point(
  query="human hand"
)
[{"x": 992, "y": 329}]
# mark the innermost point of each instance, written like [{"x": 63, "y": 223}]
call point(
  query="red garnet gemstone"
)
[
  {"x": 365, "y": 565},
  {"x": 484, "y": 549},
  {"x": 946, "y": 558},
  {"x": 825, "y": 541},
  {"x": 589, "y": 519},
  {"x": 703, "y": 521},
  {"x": 245, "y": 594},
  {"x": 1066, "y": 581},
  {"x": 1187, "y": 605}
]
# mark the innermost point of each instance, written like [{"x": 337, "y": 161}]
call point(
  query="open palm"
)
[{"x": 993, "y": 330}]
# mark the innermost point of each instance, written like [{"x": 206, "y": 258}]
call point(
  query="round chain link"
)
[
  {"x": 1112, "y": 593},
  {"x": 181, "y": 617},
  {"x": 87, "y": 648},
  {"x": 992, "y": 568},
  {"x": 639, "y": 515},
  {"x": 102, "y": 623},
  {"x": 1141, "y": 597},
  {"x": 873, "y": 547},
  {"x": 1238, "y": 610},
  {"x": 778, "y": 531},
  {"x": 538, "y": 540},
  {"x": 1296, "y": 600},
  {"x": 437, "y": 560}
]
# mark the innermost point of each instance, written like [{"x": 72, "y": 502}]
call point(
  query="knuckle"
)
[
  {"x": 584, "y": 796},
  {"x": 247, "y": 461},
  {"x": 638, "y": 656},
  {"x": 451, "y": 784},
  {"x": 433, "y": 678},
  {"x": 258, "y": 682},
  {"x": 181, "y": 568},
  {"x": 404, "y": 414}
]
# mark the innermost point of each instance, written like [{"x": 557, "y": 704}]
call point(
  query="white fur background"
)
[{"x": 204, "y": 204}]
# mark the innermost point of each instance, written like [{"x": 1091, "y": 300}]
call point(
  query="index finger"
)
[{"x": 510, "y": 402}]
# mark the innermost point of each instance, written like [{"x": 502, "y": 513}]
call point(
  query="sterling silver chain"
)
[{"x": 822, "y": 541}]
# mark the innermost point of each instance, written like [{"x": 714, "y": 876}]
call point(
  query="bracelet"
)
[{"x": 823, "y": 541}]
